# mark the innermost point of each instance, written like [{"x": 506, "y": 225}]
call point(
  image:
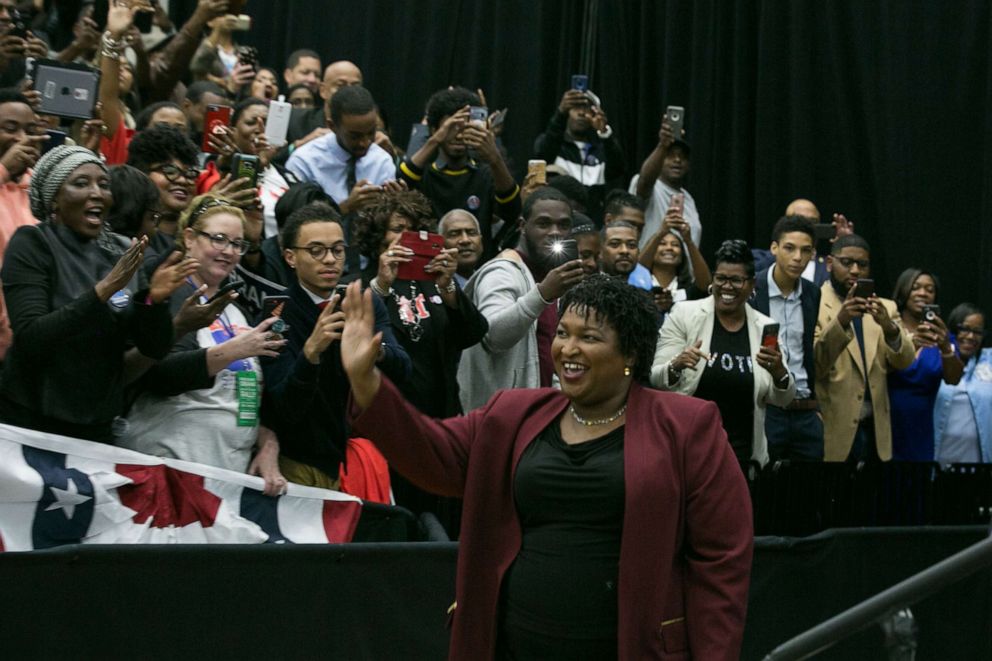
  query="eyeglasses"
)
[
  {"x": 848, "y": 262},
  {"x": 968, "y": 329},
  {"x": 221, "y": 242},
  {"x": 173, "y": 172},
  {"x": 319, "y": 250},
  {"x": 735, "y": 281}
]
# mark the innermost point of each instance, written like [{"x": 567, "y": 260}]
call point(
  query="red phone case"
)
[
  {"x": 768, "y": 338},
  {"x": 216, "y": 116},
  {"x": 425, "y": 247}
]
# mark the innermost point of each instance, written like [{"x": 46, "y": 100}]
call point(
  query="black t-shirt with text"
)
[{"x": 728, "y": 381}]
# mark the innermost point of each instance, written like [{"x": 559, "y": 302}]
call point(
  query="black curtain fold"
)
[{"x": 877, "y": 109}]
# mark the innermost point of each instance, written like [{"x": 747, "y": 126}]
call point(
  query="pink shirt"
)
[{"x": 15, "y": 211}]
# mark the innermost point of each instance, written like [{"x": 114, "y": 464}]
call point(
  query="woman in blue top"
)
[
  {"x": 963, "y": 413},
  {"x": 912, "y": 391}
]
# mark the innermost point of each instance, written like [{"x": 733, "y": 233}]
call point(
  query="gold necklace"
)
[{"x": 595, "y": 423}]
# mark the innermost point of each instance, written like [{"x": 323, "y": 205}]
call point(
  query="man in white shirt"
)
[
  {"x": 662, "y": 175},
  {"x": 346, "y": 162}
]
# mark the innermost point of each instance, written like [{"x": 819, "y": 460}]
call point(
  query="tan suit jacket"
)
[{"x": 841, "y": 375}]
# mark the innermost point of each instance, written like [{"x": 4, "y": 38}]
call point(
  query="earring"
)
[
  {"x": 709, "y": 289},
  {"x": 626, "y": 371}
]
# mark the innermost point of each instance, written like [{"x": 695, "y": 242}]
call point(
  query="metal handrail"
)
[{"x": 870, "y": 611}]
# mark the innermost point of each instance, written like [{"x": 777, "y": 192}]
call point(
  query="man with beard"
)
[
  {"x": 619, "y": 253},
  {"x": 857, "y": 342},
  {"x": 517, "y": 292},
  {"x": 662, "y": 178},
  {"x": 460, "y": 230},
  {"x": 579, "y": 140}
]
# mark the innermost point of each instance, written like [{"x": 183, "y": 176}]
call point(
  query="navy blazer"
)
[{"x": 809, "y": 300}]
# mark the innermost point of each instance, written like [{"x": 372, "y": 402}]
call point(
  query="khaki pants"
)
[{"x": 308, "y": 476}]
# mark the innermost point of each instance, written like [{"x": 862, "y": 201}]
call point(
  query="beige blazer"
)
[
  {"x": 690, "y": 321},
  {"x": 840, "y": 375}
]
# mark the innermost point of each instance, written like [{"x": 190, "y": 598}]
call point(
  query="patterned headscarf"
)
[{"x": 51, "y": 172}]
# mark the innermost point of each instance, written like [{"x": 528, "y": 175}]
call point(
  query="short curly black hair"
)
[
  {"x": 628, "y": 310},
  {"x": 447, "y": 102},
  {"x": 369, "y": 232},
  {"x": 315, "y": 212},
  {"x": 160, "y": 144},
  {"x": 736, "y": 251}
]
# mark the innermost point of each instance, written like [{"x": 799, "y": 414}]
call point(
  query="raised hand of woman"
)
[
  {"x": 123, "y": 270},
  {"x": 170, "y": 275},
  {"x": 360, "y": 344}
]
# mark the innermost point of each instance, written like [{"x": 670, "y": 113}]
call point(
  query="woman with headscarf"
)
[{"x": 77, "y": 303}]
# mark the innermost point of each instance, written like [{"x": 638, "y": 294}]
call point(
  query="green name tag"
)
[{"x": 248, "y": 399}]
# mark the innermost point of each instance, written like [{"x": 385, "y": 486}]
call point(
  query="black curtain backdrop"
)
[{"x": 875, "y": 109}]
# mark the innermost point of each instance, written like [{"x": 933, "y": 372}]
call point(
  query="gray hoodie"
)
[{"x": 504, "y": 291}]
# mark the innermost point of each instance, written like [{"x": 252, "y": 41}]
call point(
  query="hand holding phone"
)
[
  {"x": 217, "y": 118},
  {"x": 769, "y": 335},
  {"x": 424, "y": 246},
  {"x": 865, "y": 288},
  {"x": 233, "y": 285},
  {"x": 675, "y": 117}
]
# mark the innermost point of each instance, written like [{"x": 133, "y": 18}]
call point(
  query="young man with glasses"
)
[
  {"x": 306, "y": 385},
  {"x": 857, "y": 342},
  {"x": 794, "y": 432}
]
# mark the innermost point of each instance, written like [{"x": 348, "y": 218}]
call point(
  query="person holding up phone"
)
[
  {"x": 713, "y": 349},
  {"x": 203, "y": 402},
  {"x": 579, "y": 139},
  {"x": 857, "y": 342},
  {"x": 305, "y": 384},
  {"x": 678, "y": 270},
  {"x": 913, "y": 391},
  {"x": 461, "y": 167},
  {"x": 661, "y": 183}
]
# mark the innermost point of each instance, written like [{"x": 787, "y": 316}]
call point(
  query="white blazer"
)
[{"x": 690, "y": 321}]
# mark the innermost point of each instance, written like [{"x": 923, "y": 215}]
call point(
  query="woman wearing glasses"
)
[
  {"x": 963, "y": 412},
  {"x": 913, "y": 390},
  {"x": 712, "y": 349},
  {"x": 169, "y": 159},
  {"x": 202, "y": 402}
]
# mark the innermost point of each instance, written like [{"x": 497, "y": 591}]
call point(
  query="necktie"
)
[
  {"x": 350, "y": 174},
  {"x": 322, "y": 305}
]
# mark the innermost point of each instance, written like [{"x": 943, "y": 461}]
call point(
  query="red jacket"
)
[{"x": 685, "y": 553}]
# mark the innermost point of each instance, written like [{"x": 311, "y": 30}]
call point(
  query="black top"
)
[
  {"x": 470, "y": 188},
  {"x": 559, "y": 597},
  {"x": 64, "y": 372},
  {"x": 416, "y": 310},
  {"x": 728, "y": 380},
  {"x": 306, "y": 402}
]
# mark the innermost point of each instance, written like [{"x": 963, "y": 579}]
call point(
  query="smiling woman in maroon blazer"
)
[{"x": 605, "y": 520}]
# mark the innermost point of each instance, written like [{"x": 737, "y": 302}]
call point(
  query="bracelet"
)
[
  {"x": 450, "y": 289},
  {"x": 377, "y": 288},
  {"x": 110, "y": 47}
]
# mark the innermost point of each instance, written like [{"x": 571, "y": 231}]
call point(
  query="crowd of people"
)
[{"x": 157, "y": 298}]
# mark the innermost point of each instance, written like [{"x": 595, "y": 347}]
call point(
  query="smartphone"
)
[
  {"x": 100, "y": 10},
  {"x": 341, "y": 291},
  {"x": 277, "y": 124},
  {"x": 245, "y": 165},
  {"x": 55, "y": 139},
  {"x": 143, "y": 21},
  {"x": 248, "y": 55},
  {"x": 272, "y": 306},
  {"x": 230, "y": 286},
  {"x": 539, "y": 169},
  {"x": 478, "y": 114},
  {"x": 580, "y": 82},
  {"x": 865, "y": 288},
  {"x": 565, "y": 250},
  {"x": 824, "y": 231},
  {"x": 498, "y": 117},
  {"x": 931, "y": 312},
  {"x": 678, "y": 202},
  {"x": 242, "y": 23},
  {"x": 769, "y": 336},
  {"x": 675, "y": 116},
  {"x": 19, "y": 26},
  {"x": 216, "y": 117},
  {"x": 425, "y": 246}
]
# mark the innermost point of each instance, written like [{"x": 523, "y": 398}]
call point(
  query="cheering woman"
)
[{"x": 604, "y": 520}]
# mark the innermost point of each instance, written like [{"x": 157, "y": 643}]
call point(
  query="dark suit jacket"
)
[
  {"x": 810, "y": 302},
  {"x": 686, "y": 545}
]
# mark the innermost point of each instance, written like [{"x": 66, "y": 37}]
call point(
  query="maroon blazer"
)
[{"x": 685, "y": 551}]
